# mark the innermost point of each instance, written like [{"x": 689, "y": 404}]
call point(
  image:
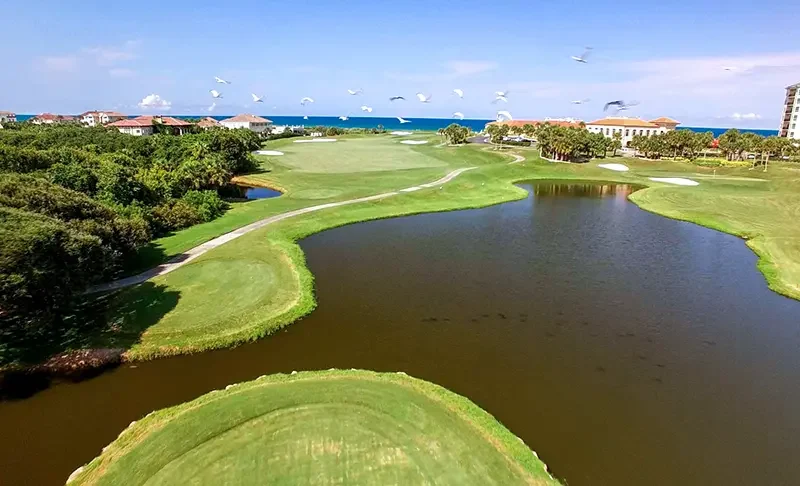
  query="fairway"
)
[
  {"x": 334, "y": 427},
  {"x": 354, "y": 155}
]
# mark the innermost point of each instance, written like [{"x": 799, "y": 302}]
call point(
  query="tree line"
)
[{"x": 77, "y": 203}]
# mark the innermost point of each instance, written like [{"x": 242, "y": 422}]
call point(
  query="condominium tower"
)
[{"x": 790, "y": 126}]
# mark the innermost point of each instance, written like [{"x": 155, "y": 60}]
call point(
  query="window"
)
[
  {"x": 793, "y": 125},
  {"x": 628, "y": 132},
  {"x": 607, "y": 131},
  {"x": 648, "y": 133}
]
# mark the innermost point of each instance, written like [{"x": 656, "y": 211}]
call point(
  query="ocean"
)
[{"x": 416, "y": 123}]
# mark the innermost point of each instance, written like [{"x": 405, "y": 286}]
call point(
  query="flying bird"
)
[
  {"x": 344, "y": 118},
  {"x": 583, "y": 57},
  {"x": 305, "y": 100},
  {"x": 458, "y": 115},
  {"x": 211, "y": 108},
  {"x": 257, "y": 99},
  {"x": 395, "y": 98},
  {"x": 366, "y": 108},
  {"x": 220, "y": 80},
  {"x": 621, "y": 105},
  {"x": 504, "y": 116},
  {"x": 424, "y": 99},
  {"x": 728, "y": 68},
  {"x": 500, "y": 98},
  {"x": 580, "y": 102},
  {"x": 354, "y": 92},
  {"x": 215, "y": 93},
  {"x": 403, "y": 120},
  {"x": 459, "y": 92}
]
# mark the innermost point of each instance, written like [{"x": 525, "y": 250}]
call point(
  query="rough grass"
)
[
  {"x": 268, "y": 273},
  {"x": 334, "y": 427}
]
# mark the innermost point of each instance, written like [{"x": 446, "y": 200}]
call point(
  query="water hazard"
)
[{"x": 625, "y": 348}]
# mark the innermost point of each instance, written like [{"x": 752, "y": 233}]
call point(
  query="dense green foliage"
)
[
  {"x": 675, "y": 143},
  {"x": 77, "y": 203},
  {"x": 455, "y": 134},
  {"x": 557, "y": 142}
]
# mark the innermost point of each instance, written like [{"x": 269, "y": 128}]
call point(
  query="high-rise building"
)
[{"x": 790, "y": 125}]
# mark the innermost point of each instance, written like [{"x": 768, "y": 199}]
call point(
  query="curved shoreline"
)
[{"x": 199, "y": 250}]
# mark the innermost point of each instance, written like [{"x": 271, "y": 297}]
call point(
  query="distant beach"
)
[{"x": 416, "y": 123}]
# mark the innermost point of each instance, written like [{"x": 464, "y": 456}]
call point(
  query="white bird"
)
[
  {"x": 366, "y": 108},
  {"x": 215, "y": 93},
  {"x": 344, "y": 118},
  {"x": 257, "y": 99},
  {"x": 458, "y": 115},
  {"x": 354, "y": 92},
  {"x": 395, "y": 98},
  {"x": 211, "y": 108},
  {"x": 500, "y": 98},
  {"x": 424, "y": 99},
  {"x": 580, "y": 102},
  {"x": 504, "y": 94},
  {"x": 503, "y": 116},
  {"x": 583, "y": 57},
  {"x": 728, "y": 68},
  {"x": 621, "y": 105},
  {"x": 403, "y": 120},
  {"x": 305, "y": 100},
  {"x": 220, "y": 80},
  {"x": 459, "y": 92}
]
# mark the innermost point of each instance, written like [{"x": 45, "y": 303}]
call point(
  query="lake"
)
[{"x": 625, "y": 348}]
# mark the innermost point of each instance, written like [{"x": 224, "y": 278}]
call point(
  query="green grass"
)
[
  {"x": 334, "y": 427},
  {"x": 265, "y": 283}
]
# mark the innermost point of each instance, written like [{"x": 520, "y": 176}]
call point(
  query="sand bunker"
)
[
  {"x": 615, "y": 167},
  {"x": 268, "y": 152},
  {"x": 678, "y": 181},
  {"x": 414, "y": 142},
  {"x": 316, "y": 140},
  {"x": 402, "y": 134}
]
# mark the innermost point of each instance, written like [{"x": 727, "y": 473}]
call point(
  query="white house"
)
[
  {"x": 7, "y": 116},
  {"x": 251, "y": 122},
  {"x": 629, "y": 127},
  {"x": 279, "y": 129},
  {"x": 95, "y": 118}
]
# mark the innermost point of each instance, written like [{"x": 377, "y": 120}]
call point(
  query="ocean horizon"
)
[{"x": 427, "y": 124}]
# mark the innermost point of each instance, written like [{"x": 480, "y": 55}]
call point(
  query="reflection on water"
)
[
  {"x": 561, "y": 189},
  {"x": 625, "y": 348},
  {"x": 236, "y": 191}
]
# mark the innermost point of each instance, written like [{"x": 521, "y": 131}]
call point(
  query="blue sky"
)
[{"x": 68, "y": 57}]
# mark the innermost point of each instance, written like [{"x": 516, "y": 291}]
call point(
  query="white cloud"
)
[
  {"x": 121, "y": 72},
  {"x": 154, "y": 101},
  {"x": 746, "y": 116},
  {"x": 60, "y": 64},
  {"x": 110, "y": 55}
]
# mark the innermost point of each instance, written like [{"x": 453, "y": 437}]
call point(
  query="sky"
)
[{"x": 161, "y": 57}]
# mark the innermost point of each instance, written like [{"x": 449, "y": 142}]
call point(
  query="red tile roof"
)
[
  {"x": 246, "y": 117},
  {"x": 148, "y": 121},
  {"x": 131, "y": 123},
  {"x": 114, "y": 114},
  {"x": 7, "y": 113},
  {"x": 208, "y": 122},
  {"x": 624, "y": 122},
  {"x": 665, "y": 121},
  {"x": 52, "y": 117},
  {"x": 521, "y": 123}
]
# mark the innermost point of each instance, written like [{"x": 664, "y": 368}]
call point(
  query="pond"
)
[
  {"x": 237, "y": 191},
  {"x": 625, "y": 348}
]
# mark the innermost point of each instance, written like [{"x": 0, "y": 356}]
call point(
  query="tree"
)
[
  {"x": 456, "y": 134},
  {"x": 616, "y": 142}
]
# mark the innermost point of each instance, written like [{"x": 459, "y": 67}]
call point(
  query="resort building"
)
[
  {"x": 629, "y": 127},
  {"x": 251, "y": 122},
  {"x": 7, "y": 116},
  {"x": 207, "y": 123},
  {"x": 145, "y": 125},
  {"x": 279, "y": 129},
  {"x": 49, "y": 119},
  {"x": 95, "y": 118},
  {"x": 791, "y": 110}
]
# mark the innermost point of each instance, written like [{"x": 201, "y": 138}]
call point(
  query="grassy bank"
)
[
  {"x": 353, "y": 427},
  {"x": 256, "y": 284}
]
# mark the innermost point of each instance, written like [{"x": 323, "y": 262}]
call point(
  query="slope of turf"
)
[{"x": 334, "y": 427}]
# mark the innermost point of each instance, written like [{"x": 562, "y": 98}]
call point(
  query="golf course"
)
[
  {"x": 262, "y": 277},
  {"x": 351, "y": 427}
]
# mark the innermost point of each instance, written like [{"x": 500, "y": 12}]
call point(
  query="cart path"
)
[{"x": 195, "y": 252}]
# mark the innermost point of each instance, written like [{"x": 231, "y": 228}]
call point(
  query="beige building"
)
[
  {"x": 7, "y": 116},
  {"x": 145, "y": 125},
  {"x": 207, "y": 123},
  {"x": 251, "y": 122},
  {"x": 790, "y": 125},
  {"x": 629, "y": 127},
  {"x": 49, "y": 119},
  {"x": 96, "y": 118}
]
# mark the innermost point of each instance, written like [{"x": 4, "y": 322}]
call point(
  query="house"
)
[
  {"x": 207, "y": 123},
  {"x": 560, "y": 122},
  {"x": 49, "y": 119},
  {"x": 96, "y": 118},
  {"x": 279, "y": 129},
  {"x": 145, "y": 125},
  {"x": 7, "y": 116},
  {"x": 251, "y": 122},
  {"x": 629, "y": 127}
]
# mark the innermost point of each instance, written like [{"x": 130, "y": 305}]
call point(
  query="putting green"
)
[
  {"x": 354, "y": 155},
  {"x": 334, "y": 427}
]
